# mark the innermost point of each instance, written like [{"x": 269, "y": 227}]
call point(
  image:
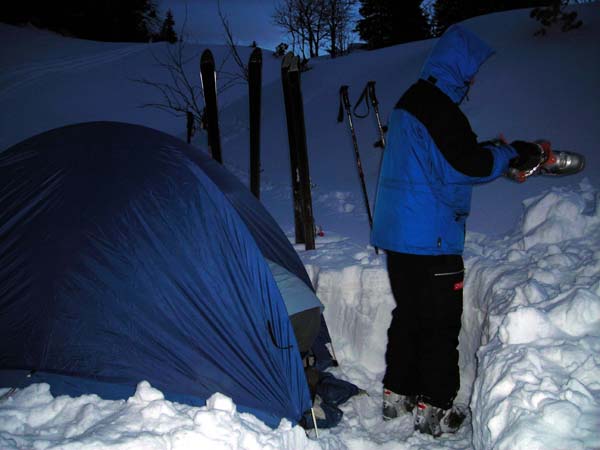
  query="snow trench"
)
[{"x": 530, "y": 341}]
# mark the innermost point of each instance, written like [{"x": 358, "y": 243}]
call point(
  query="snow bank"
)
[
  {"x": 359, "y": 304},
  {"x": 32, "y": 418},
  {"x": 537, "y": 295},
  {"x": 530, "y": 346}
]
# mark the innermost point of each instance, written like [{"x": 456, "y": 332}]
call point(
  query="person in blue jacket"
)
[{"x": 431, "y": 162}]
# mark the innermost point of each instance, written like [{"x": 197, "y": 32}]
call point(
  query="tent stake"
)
[
  {"x": 312, "y": 411},
  {"x": 11, "y": 391}
]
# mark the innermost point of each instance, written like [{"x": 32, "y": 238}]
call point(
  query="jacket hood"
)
[{"x": 454, "y": 61}]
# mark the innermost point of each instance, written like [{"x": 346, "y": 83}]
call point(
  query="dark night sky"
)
[{"x": 249, "y": 19}]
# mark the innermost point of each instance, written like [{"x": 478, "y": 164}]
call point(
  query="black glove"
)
[{"x": 530, "y": 155}]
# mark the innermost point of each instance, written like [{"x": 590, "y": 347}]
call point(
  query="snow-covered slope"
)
[
  {"x": 47, "y": 81},
  {"x": 531, "y": 329},
  {"x": 532, "y": 88}
]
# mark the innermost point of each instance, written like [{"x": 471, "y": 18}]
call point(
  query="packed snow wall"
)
[{"x": 530, "y": 341}]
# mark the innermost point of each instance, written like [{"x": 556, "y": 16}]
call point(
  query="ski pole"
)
[
  {"x": 368, "y": 96},
  {"x": 375, "y": 103},
  {"x": 345, "y": 105}
]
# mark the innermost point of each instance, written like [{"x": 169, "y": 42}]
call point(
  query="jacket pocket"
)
[
  {"x": 448, "y": 276},
  {"x": 446, "y": 289}
]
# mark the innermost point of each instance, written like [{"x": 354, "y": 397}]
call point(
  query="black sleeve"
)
[{"x": 449, "y": 129}]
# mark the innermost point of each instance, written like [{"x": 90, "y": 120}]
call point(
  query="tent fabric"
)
[
  {"x": 303, "y": 306},
  {"x": 121, "y": 260},
  {"x": 296, "y": 295},
  {"x": 306, "y": 326},
  {"x": 271, "y": 240}
]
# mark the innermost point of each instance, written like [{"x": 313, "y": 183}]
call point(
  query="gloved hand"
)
[{"x": 530, "y": 155}]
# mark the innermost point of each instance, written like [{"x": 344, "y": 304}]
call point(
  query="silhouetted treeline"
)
[
  {"x": 448, "y": 12},
  {"x": 390, "y": 22},
  {"x": 102, "y": 20}
]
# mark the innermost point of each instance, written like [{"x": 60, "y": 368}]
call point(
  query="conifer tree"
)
[
  {"x": 167, "y": 32},
  {"x": 448, "y": 12},
  {"x": 390, "y": 22},
  {"x": 101, "y": 20},
  {"x": 553, "y": 13}
]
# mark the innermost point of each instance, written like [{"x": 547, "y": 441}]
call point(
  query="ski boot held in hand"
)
[{"x": 538, "y": 158}]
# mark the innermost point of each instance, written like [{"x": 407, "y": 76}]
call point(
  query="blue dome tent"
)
[{"x": 128, "y": 255}]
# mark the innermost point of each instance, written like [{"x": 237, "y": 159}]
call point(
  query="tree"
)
[
  {"x": 280, "y": 50},
  {"x": 180, "y": 95},
  {"x": 102, "y": 20},
  {"x": 390, "y": 22},
  {"x": 242, "y": 75},
  {"x": 312, "y": 24},
  {"x": 555, "y": 12},
  {"x": 448, "y": 12},
  {"x": 304, "y": 21},
  {"x": 338, "y": 16},
  {"x": 167, "y": 31}
]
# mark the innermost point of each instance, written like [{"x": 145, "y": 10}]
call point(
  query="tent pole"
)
[
  {"x": 333, "y": 351},
  {"x": 312, "y": 411}
]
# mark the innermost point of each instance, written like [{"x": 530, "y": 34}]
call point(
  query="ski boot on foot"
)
[
  {"x": 427, "y": 419},
  {"x": 395, "y": 404},
  {"x": 453, "y": 419},
  {"x": 432, "y": 420}
]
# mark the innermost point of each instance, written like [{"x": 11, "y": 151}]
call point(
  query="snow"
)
[
  {"x": 538, "y": 372},
  {"x": 145, "y": 421},
  {"x": 530, "y": 343}
]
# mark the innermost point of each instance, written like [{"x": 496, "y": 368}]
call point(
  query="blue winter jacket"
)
[{"x": 432, "y": 158}]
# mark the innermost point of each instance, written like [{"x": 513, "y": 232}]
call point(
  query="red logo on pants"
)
[{"x": 458, "y": 286}]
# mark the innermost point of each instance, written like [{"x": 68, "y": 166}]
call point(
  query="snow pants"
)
[{"x": 422, "y": 355}]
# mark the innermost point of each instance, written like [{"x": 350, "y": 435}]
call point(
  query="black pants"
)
[{"x": 422, "y": 354}]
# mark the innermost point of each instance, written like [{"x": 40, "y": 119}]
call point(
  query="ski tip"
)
[
  {"x": 295, "y": 65},
  {"x": 207, "y": 57},
  {"x": 256, "y": 55},
  {"x": 287, "y": 60}
]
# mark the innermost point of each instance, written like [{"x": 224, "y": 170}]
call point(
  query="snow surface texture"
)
[
  {"x": 538, "y": 369},
  {"x": 32, "y": 418},
  {"x": 533, "y": 311},
  {"x": 530, "y": 344}
]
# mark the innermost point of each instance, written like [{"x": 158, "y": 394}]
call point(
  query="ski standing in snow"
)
[
  {"x": 301, "y": 187},
  {"x": 208, "y": 76},
  {"x": 254, "y": 96}
]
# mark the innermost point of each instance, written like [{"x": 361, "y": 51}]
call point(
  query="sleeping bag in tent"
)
[{"x": 128, "y": 255}]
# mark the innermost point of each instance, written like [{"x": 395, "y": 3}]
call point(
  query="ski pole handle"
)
[
  {"x": 372, "y": 96},
  {"x": 344, "y": 96}
]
